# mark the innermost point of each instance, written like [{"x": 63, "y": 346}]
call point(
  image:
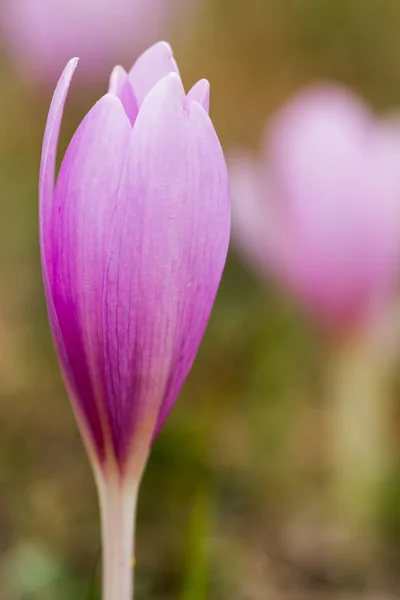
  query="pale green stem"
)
[
  {"x": 118, "y": 499},
  {"x": 359, "y": 407}
]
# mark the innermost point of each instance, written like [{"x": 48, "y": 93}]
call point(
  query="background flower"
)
[
  {"x": 42, "y": 35},
  {"x": 323, "y": 210}
]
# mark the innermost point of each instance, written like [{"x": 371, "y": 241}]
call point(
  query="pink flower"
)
[
  {"x": 41, "y": 35},
  {"x": 134, "y": 237},
  {"x": 321, "y": 211}
]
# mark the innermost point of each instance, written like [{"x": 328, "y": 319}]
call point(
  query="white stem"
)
[{"x": 118, "y": 499}]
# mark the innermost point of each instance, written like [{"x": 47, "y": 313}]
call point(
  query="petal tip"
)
[
  {"x": 68, "y": 70},
  {"x": 156, "y": 62},
  {"x": 73, "y": 62},
  {"x": 200, "y": 93},
  {"x": 173, "y": 83},
  {"x": 118, "y": 75},
  {"x": 165, "y": 45}
]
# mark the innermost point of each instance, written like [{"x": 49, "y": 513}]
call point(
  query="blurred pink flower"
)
[
  {"x": 42, "y": 35},
  {"x": 321, "y": 210}
]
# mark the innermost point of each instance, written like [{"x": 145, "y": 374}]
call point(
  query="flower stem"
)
[
  {"x": 118, "y": 499},
  {"x": 361, "y": 450}
]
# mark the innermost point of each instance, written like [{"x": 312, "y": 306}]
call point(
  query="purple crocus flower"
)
[
  {"x": 41, "y": 35},
  {"x": 134, "y": 237},
  {"x": 321, "y": 209}
]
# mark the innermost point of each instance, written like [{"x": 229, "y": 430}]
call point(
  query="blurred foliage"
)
[{"x": 238, "y": 471}]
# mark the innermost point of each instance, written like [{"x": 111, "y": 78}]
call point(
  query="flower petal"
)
[
  {"x": 172, "y": 225},
  {"x": 255, "y": 226},
  {"x": 49, "y": 153},
  {"x": 84, "y": 204},
  {"x": 200, "y": 93},
  {"x": 46, "y": 193},
  {"x": 150, "y": 67},
  {"x": 121, "y": 87}
]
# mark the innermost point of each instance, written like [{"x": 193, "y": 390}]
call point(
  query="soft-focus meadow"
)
[{"x": 236, "y": 502}]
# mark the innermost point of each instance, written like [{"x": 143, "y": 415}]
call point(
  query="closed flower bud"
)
[{"x": 134, "y": 237}]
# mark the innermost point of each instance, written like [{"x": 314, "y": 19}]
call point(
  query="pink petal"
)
[
  {"x": 150, "y": 67},
  {"x": 121, "y": 87},
  {"x": 169, "y": 245},
  {"x": 200, "y": 93},
  {"x": 46, "y": 193},
  {"x": 49, "y": 153},
  {"x": 83, "y": 210},
  {"x": 254, "y": 222}
]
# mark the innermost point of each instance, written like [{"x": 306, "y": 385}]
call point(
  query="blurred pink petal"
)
[
  {"x": 334, "y": 200},
  {"x": 41, "y": 35},
  {"x": 253, "y": 218}
]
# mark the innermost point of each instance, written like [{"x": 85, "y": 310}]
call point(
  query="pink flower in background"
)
[
  {"x": 42, "y": 35},
  {"x": 134, "y": 237},
  {"x": 321, "y": 210}
]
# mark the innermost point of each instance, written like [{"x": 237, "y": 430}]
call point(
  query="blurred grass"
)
[{"x": 238, "y": 470}]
